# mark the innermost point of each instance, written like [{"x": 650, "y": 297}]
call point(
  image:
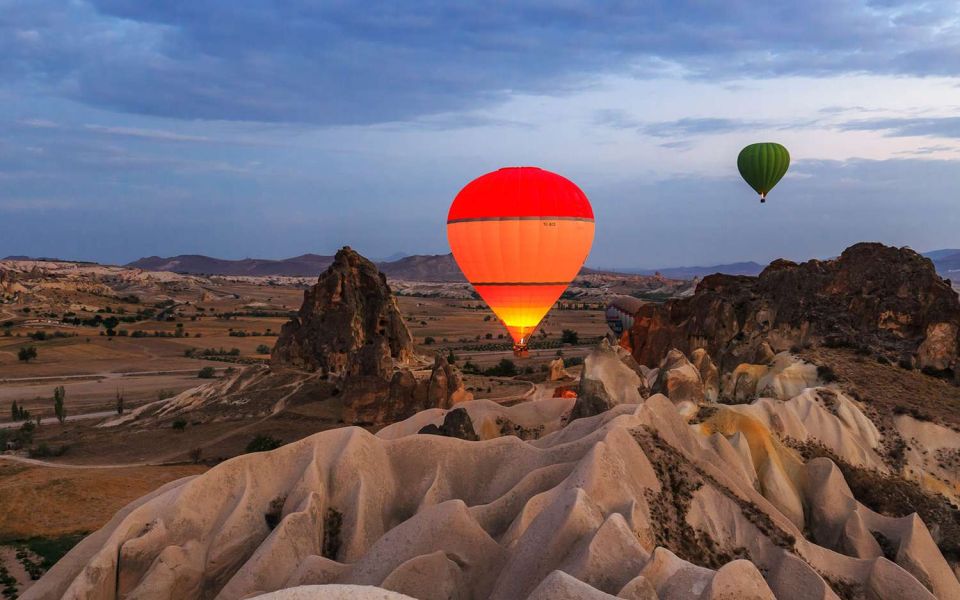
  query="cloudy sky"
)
[{"x": 270, "y": 129}]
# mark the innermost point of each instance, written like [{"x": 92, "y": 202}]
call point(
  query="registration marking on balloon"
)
[{"x": 520, "y": 235}]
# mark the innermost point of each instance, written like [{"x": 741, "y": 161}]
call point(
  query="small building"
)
[{"x": 620, "y": 313}]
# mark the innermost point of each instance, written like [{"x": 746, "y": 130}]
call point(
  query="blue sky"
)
[{"x": 271, "y": 129}]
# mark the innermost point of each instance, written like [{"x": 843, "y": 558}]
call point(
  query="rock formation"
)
[
  {"x": 348, "y": 326},
  {"x": 605, "y": 382},
  {"x": 558, "y": 370},
  {"x": 888, "y": 301},
  {"x": 348, "y": 342},
  {"x": 679, "y": 379},
  {"x": 632, "y": 503},
  {"x": 374, "y": 400}
]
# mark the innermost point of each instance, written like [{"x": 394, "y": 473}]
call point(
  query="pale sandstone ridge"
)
[{"x": 640, "y": 500}]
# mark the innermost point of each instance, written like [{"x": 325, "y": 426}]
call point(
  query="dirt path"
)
[{"x": 43, "y": 463}]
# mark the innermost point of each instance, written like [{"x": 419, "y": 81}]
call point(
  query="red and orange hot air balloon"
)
[{"x": 520, "y": 236}]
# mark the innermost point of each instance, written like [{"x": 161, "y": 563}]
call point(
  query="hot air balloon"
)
[
  {"x": 762, "y": 165},
  {"x": 520, "y": 236}
]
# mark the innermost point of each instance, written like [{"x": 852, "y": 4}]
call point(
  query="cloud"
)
[
  {"x": 941, "y": 127},
  {"x": 698, "y": 126},
  {"x": 350, "y": 62},
  {"x": 151, "y": 134}
]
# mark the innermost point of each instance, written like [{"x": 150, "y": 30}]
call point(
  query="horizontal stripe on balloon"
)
[
  {"x": 524, "y": 218},
  {"x": 522, "y": 283}
]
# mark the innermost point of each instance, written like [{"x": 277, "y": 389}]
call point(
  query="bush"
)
[
  {"x": 505, "y": 368},
  {"x": 27, "y": 353},
  {"x": 263, "y": 443},
  {"x": 263, "y": 349},
  {"x": 569, "y": 336},
  {"x": 826, "y": 374},
  {"x": 207, "y": 373},
  {"x": 428, "y": 340},
  {"x": 45, "y": 451},
  {"x": 179, "y": 424}
]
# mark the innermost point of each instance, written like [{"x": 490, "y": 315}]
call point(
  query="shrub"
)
[
  {"x": 207, "y": 373},
  {"x": 263, "y": 349},
  {"x": 428, "y": 340},
  {"x": 179, "y": 424},
  {"x": 263, "y": 443},
  {"x": 569, "y": 336},
  {"x": 27, "y": 353},
  {"x": 505, "y": 368},
  {"x": 826, "y": 374},
  {"x": 59, "y": 395}
]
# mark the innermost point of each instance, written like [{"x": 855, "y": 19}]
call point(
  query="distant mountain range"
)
[
  {"x": 740, "y": 268},
  {"x": 306, "y": 265},
  {"x": 947, "y": 262},
  {"x": 420, "y": 267},
  {"x": 439, "y": 267}
]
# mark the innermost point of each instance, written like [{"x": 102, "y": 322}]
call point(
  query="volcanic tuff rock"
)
[
  {"x": 633, "y": 502},
  {"x": 370, "y": 399},
  {"x": 349, "y": 324},
  {"x": 888, "y": 300}
]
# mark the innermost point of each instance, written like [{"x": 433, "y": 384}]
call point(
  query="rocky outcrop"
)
[
  {"x": 456, "y": 423},
  {"x": 709, "y": 374},
  {"x": 606, "y": 381},
  {"x": 678, "y": 379},
  {"x": 557, "y": 370},
  {"x": 348, "y": 326},
  {"x": 889, "y": 301},
  {"x": 374, "y": 400}
]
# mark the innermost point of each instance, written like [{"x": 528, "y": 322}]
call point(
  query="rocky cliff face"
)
[
  {"x": 887, "y": 301},
  {"x": 348, "y": 326}
]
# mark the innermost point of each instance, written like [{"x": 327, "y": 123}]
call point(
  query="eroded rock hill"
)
[
  {"x": 883, "y": 300},
  {"x": 349, "y": 324},
  {"x": 348, "y": 342},
  {"x": 642, "y": 500}
]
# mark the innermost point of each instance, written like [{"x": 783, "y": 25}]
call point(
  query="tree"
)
[
  {"x": 505, "y": 368},
  {"x": 428, "y": 340},
  {"x": 263, "y": 443},
  {"x": 263, "y": 349},
  {"x": 110, "y": 323},
  {"x": 569, "y": 336},
  {"x": 119, "y": 402},
  {"x": 207, "y": 373},
  {"x": 14, "y": 411},
  {"x": 59, "y": 395},
  {"x": 27, "y": 353}
]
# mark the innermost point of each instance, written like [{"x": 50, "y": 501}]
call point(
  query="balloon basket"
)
[{"x": 521, "y": 351}]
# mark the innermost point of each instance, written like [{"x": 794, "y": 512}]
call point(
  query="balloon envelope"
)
[
  {"x": 520, "y": 236},
  {"x": 762, "y": 165}
]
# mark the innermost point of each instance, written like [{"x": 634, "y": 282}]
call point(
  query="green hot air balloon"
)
[{"x": 762, "y": 165}]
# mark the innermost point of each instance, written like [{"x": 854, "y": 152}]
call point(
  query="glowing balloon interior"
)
[{"x": 520, "y": 235}]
